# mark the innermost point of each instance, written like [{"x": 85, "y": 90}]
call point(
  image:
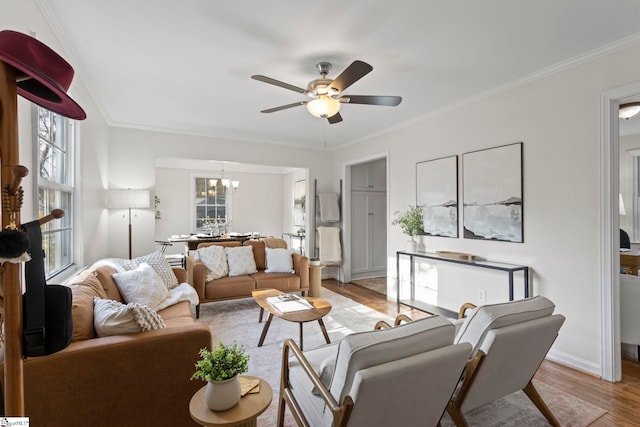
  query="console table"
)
[{"x": 510, "y": 269}]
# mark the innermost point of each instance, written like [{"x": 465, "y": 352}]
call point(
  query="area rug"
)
[
  {"x": 237, "y": 320},
  {"x": 516, "y": 410}
]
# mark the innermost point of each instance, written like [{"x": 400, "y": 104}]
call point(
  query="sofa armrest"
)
[
  {"x": 181, "y": 274},
  {"x": 196, "y": 272},
  {"x": 301, "y": 267},
  {"x": 114, "y": 380}
]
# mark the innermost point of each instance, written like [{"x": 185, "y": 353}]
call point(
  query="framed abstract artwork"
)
[
  {"x": 437, "y": 194},
  {"x": 492, "y": 194},
  {"x": 299, "y": 202}
]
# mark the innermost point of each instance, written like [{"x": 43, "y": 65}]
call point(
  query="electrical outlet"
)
[{"x": 482, "y": 295}]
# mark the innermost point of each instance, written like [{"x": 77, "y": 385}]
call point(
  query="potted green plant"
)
[
  {"x": 221, "y": 368},
  {"x": 411, "y": 223}
]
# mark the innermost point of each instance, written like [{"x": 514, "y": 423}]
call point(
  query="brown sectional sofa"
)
[
  {"x": 138, "y": 379},
  {"x": 226, "y": 288}
]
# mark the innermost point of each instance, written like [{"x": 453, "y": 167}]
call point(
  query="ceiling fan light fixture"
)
[
  {"x": 629, "y": 110},
  {"x": 323, "y": 106}
]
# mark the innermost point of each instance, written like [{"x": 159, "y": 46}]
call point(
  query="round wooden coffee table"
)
[
  {"x": 320, "y": 309},
  {"x": 244, "y": 414}
]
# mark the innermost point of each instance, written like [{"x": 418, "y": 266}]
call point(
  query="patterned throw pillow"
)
[
  {"x": 141, "y": 285},
  {"x": 159, "y": 264},
  {"x": 279, "y": 261},
  {"x": 240, "y": 260},
  {"x": 114, "y": 318},
  {"x": 215, "y": 259}
]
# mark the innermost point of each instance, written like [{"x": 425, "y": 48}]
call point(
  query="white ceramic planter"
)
[
  {"x": 411, "y": 245},
  {"x": 222, "y": 395}
]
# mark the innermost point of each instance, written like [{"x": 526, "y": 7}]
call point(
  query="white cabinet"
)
[
  {"x": 368, "y": 220},
  {"x": 370, "y": 176}
]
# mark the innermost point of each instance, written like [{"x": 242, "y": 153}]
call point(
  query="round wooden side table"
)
[
  {"x": 315, "y": 280},
  {"x": 244, "y": 414}
]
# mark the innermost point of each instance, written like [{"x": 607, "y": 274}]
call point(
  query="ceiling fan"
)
[{"x": 328, "y": 94}]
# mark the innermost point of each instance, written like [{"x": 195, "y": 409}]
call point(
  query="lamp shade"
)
[
  {"x": 323, "y": 106},
  {"x": 128, "y": 198}
]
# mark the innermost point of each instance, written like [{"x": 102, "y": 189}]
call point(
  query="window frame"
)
[
  {"x": 59, "y": 227},
  {"x": 192, "y": 201}
]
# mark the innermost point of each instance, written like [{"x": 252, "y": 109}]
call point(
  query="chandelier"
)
[{"x": 228, "y": 185}]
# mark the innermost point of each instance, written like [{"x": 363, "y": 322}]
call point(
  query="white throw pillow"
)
[
  {"x": 114, "y": 318},
  {"x": 159, "y": 264},
  {"x": 279, "y": 261},
  {"x": 240, "y": 260},
  {"x": 215, "y": 259},
  {"x": 141, "y": 285}
]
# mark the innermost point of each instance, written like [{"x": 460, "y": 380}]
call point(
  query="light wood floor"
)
[{"x": 621, "y": 400}]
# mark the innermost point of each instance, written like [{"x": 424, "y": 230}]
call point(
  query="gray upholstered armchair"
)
[
  {"x": 510, "y": 341},
  {"x": 399, "y": 376}
]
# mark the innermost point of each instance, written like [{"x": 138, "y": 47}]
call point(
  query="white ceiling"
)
[{"x": 185, "y": 66}]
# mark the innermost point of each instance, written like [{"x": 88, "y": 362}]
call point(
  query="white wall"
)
[
  {"x": 91, "y": 232},
  {"x": 557, "y": 118}
]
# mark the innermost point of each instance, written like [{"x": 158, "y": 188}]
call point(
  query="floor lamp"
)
[{"x": 128, "y": 199}]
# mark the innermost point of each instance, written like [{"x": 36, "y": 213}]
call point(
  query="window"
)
[
  {"x": 212, "y": 206},
  {"x": 55, "y": 141}
]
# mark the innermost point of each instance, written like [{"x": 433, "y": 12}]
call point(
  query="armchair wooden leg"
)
[
  {"x": 533, "y": 395},
  {"x": 198, "y": 311},
  {"x": 456, "y": 415}
]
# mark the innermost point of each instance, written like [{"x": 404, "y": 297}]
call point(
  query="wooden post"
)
[{"x": 9, "y": 158}]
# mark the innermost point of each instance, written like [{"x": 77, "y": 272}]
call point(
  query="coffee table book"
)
[{"x": 288, "y": 303}]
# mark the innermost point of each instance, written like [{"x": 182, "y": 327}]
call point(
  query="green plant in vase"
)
[
  {"x": 410, "y": 222},
  {"x": 221, "y": 367}
]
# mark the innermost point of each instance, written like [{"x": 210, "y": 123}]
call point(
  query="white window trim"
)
[
  {"x": 192, "y": 201},
  {"x": 73, "y": 160}
]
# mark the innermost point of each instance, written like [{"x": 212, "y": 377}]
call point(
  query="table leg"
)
[
  {"x": 261, "y": 314},
  {"x": 324, "y": 331},
  {"x": 265, "y": 329},
  {"x": 301, "y": 335}
]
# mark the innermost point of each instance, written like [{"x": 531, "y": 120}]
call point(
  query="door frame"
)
[
  {"x": 609, "y": 237},
  {"x": 346, "y": 206}
]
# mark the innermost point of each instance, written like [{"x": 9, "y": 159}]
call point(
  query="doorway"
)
[
  {"x": 366, "y": 214},
  {"x": 611, "y": 367}
]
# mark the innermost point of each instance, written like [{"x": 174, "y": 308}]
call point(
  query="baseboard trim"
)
[{"x": 575, "y": 363}]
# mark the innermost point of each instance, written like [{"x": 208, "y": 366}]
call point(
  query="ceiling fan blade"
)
[
  {"x": 284, "y": 107},
  {"x": 278, "y": 83},
  {"x": 336, "y": 118},
  {"x": 350, "y": 75},
  {"x": 389, "y": 101}
]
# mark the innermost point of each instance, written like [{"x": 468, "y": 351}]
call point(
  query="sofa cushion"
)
[
  {"x": 84, "y": 287},
  {"x": 178, "y": 310},
  {"x": 105, "y": 273},
  {"x": 240, "y": 260},
  {"x": 230, "y": 287},
  {"x": 158, "y": 262},
  {"x": 215, "y": 259},
  {"x": 142, "y": 285},
  {"x": 491, "y": 316},
  {"x": 275, "y": 243},
  {"x": 278, "y": 261},
  {"x": 285, "y": 282},
  {"x": 114, "y": 318},
  {"x": 258, "y": 253},
  {"x": 366, "y": 349}
]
